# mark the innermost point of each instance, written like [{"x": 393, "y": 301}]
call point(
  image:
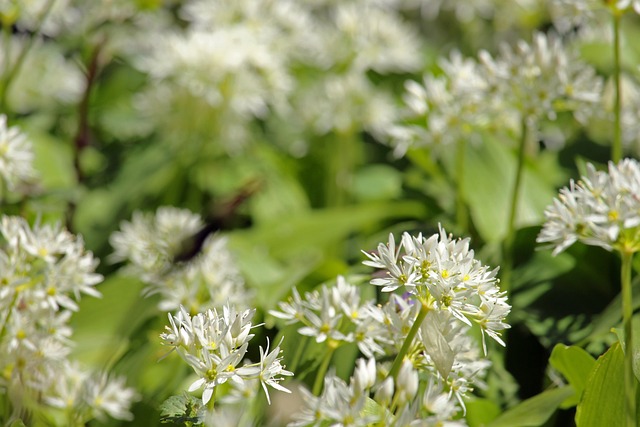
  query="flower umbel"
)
[
  {"x": 601, "y": 209},
  {"x": 442, "y": 273},
  {"x": 214, "y": 344}
]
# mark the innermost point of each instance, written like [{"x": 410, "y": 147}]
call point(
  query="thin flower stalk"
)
[
  {"x": 630, "y": 382},
  {"x": 603, "y": 209},
  {"x": 509, "y": 241},
  {"x": 616, "y": 148}
]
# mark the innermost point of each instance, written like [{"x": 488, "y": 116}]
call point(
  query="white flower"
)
[
  {"x": 152, "y": 245},
  {"x": 214, "y": 344},
  {"x": 625, "y": 4},
  {"x": 109, "y": 396},
  {"x": 602, "y": 209},
  {"x": 444, "y": 275},
  {"x": 16, "y": 155}
]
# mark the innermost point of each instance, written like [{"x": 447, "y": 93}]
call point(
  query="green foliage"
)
[
  {"x": 180, "y": 410},
  {"x": 603, "y": 402}
]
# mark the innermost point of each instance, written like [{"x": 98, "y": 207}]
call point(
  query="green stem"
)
[
  {"x": 322, "y": 371},
  {"x": 616, "y": 148},
  {"x": 508, "y": 249},
  {"x": 13, "y": 72},
  {"x": 406, "y": 345},
  {"x": 627, "y": 315},
  {"x": 342, "y": 156},
  {"x": 462, "y": 215},
  {"x": 211, "y": 404},
  {"x": 298, "y": 354}
]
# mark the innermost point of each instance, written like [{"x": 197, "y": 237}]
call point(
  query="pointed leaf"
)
[
  {"x": 602, "y": 403},
  {"x": 534, "y": 411},
  {"x": 575, "y": 364}
]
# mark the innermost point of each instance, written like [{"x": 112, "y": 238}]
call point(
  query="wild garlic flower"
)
[
  {"x": 152, "y": 245},
  {"x": 43, "y": 272},
  {"x": 567, "y": 15},
  {"x": 443, "y": 109},
  {"x": 214, "y": 344},
  {"x": 370, "y": 37},
  {"x": 342, "y": 403},
  {"x": 540, "y": 79},
  {"x": 46, "y": 79},
  {"x": 88, "y": 395},
  {"x": 336, "y": 315},
  {"x": 629, "y": 4},
  {"x": 601, "y": 209},
  {"x": 441, "y": 273},
  {"x": 16, "y": 156}
]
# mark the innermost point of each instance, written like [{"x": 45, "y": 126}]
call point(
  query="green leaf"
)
[
  {"x": 102, "y": 326},
  {"x": 377, "y": 182},
  {"x": 489, "y": 179},
  {"x": 534, "y": 411},
  {"x": 276, "y": 255},
  {"x": 481, "y": 411},
  {"x": 602, "y": 403},
  {"x": 371, "y": 407},
  {"x": 575, "y": 364},
  {"x": 180, "y": 409}
]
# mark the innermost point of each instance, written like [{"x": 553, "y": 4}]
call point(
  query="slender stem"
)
[
  {"x": 616, "y": 148},
  {"x": 406, "y": 345},
  {"x": 342, "y": 156},
  {"x": 462, "y": 215},
  {"x": 81, "y": 140},
  {"x": 322, "y": 371},
  {"x": 298, "y": 354},
  {"x": 627, "y": 314},
  {"x": 13, "y": 72},
  {"x": 507, "y": 254}
]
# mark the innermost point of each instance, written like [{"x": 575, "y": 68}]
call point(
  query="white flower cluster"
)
[
  {"x": 85, "y": 395},
  {"x": 444, "y": 109},
  {"x": 441, "y": 278},
  {"x": 441, "y": 273},
  {"x": 214, "y": 344},
  {"x": 339, "y": 315},
  {"x": 242, "y": 60},
  {"x": 407, "y": 400},
  {"x": 540, "y": 79},
  {"x": 43, "y": 271},
  {"x": 151, "y": 245},
  {"x": 16, "y": 156},
  {"x": 531, "y": 81},
  {"x": 601, "y": 209}
]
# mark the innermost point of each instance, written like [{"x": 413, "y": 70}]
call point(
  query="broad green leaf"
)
[
  {"x": 481, "y": 411},
  {"x": 635, "y": 327},
  {"x": 489, "y": 179},
  {"x": 534, "y": 411},
  {"x": 377, "y": 182},
  {"x": 603, "y": 402},
  {"x": 277, "y": 255},
  {"x": 575, "y": 364},
  {"x": 102, "y": 326}
]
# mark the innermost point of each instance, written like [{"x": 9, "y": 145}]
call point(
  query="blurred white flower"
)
[
  {"x": 151, "y": 244},
  {"x": 45, "y": 80},
  {"x": 16, "y": 156},
  {"x": 601, "y": 209},
  {"x": 540, "y": 79}
]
